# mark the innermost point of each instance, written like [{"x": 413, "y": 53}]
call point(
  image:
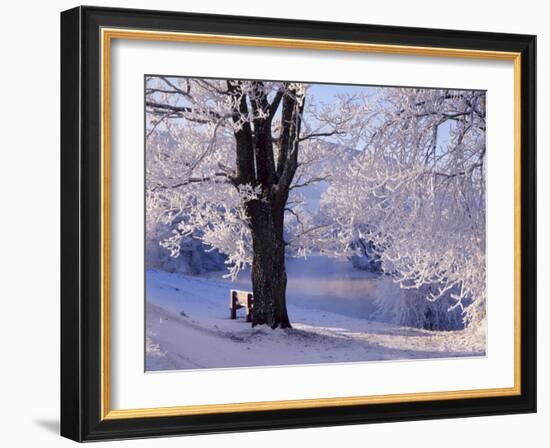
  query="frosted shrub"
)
[{"x": 411, "y": 308}]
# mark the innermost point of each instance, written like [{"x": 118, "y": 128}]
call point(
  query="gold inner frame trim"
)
[{"x": 107, "y": 35}]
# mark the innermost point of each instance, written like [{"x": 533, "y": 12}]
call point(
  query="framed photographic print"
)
[{"x": 272, "y": 223}]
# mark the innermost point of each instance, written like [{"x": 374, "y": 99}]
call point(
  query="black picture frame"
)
[{"x": 81, "y": 380}]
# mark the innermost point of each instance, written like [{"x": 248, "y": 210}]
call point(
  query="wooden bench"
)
[{"x": 241, "y": 299}]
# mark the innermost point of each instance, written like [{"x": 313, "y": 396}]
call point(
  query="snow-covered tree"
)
[
  {"x": 416, "y": 192},
  {"x": 227, "y": 159}
]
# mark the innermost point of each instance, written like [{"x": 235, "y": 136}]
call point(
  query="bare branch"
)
[
  {"x": 320, "y": 134},
  {"x": 182, "y": 110},
  {"x": 194, "y": 180},
  {"x": 313, "y": 180}
]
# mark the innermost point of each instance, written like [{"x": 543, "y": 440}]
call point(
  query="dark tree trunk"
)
[
  {"x": 268, "y": 273},
  {"x": 256, "y": 166}
]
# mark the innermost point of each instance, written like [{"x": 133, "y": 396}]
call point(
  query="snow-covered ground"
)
[{"x": 329, "y": 304}]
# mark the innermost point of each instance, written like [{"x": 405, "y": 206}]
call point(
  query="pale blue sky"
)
[{"x": 327, "y": 92}]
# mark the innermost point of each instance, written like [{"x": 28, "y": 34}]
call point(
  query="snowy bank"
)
[{"x": 188, "y": 325}]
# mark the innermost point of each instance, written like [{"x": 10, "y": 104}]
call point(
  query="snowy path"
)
[{"x": 188, "y": 325}]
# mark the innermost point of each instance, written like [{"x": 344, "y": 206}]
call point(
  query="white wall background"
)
[{"x": 29, "y": 221}]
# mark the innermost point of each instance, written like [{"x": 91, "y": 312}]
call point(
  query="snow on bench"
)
[{"x": 241, "y": 299}]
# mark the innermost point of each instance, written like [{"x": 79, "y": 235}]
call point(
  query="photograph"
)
[{"x": 301, "y": 223}]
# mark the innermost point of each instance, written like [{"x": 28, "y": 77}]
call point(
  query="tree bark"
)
[{"x": 268, "y": 272}]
